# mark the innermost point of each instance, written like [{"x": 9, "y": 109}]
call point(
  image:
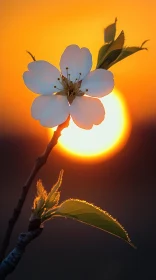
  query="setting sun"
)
[{"x": 101, "y": 140}]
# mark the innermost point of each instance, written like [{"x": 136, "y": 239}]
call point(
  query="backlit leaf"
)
[
  {"x": 89, "y": 214},
  {"x": 109, "y": 32},
  {"x": 53, "y": 200},
  {"x": 41, "y": 197},
  {"x": 127, "y": 52},
  {"x": 56, "y": 186},
  {"x": 110, "y": 58},
  {"x": 114, "y": 48},
  {"x": 144, "y": 44},
  {"x": 41, "y": 192},
  {"x": 102, "y": 53}
]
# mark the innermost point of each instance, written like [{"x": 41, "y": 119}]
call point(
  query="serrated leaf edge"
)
[{"x": 102, "y": 211}]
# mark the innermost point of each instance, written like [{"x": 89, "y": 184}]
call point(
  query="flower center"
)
[{"x": 70, "y": 89}]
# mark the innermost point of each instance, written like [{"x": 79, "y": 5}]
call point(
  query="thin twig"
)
[
  {"x": 37, "y": 166},
  {"x": 32, "y": 56}
]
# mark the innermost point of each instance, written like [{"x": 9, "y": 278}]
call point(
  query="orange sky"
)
[{"x": 46, "y": 27}]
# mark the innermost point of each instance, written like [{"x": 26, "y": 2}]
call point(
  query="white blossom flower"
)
[{"x": 73, "y": 91}]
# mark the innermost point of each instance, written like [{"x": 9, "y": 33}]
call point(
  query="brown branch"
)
[
  {"x": 9, "y": 264},
  {"x": 37, "y": 166}
]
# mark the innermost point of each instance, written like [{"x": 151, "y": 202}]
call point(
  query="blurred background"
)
[{"x": 124, "y": 184}]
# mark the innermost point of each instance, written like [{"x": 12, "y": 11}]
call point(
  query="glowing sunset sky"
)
[
  {"x": 46, "y": 27},
  {"x": 123, "y": 185}
]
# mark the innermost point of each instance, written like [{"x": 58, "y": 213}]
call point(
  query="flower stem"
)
[{"x": 40, "y": 161}]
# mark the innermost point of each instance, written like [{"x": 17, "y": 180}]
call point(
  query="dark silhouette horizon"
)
[{"x": 124, "y": 186}]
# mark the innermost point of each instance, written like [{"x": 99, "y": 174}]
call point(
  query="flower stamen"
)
[
  {"x": 57, "y": 88},
  {"x": 68, "y": 75},
  {"x": 79, "y": 76},
  {"x": 60, "y": 81}
]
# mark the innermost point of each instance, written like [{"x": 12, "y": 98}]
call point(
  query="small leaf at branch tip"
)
[
  {"x": 41, "y": 192},
  {"x": 110, "y": 32},
  {"x": 107, "y": 58},
  {"x": 45, "y": 203},
  {"x": 144, "y": 44},
  {"x": 54, "y": 196}
]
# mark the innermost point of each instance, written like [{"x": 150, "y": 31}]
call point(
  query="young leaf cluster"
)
[
  {"x": 45, "y": 203},
  {"x": 114, "y": 50},
  {"x": 46, "y": 206}
]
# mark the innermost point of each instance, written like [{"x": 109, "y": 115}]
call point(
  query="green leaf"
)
[
  {"x": 41, "y": 197},
  {"x": 56, "y": 186},
  {"x": 41, "y": 192},
  {"x": 109, "y": 32},
  {"x": 144, "y": 42},
  {"x": 110, "y": 58},
  {"x": 91, "y": 215},
  {"x": 53, "y": 200},
  {"x": 44, "y": 202},
  {"x": 54, "y": 196},
  {"x": 127, "y": 52},
  {"x": 102, "y": 52},
  {"x": 116, "y": 45}
]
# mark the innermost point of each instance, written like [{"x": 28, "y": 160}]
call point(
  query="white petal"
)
[
  {"x": 77, "y": 60},
  {"x": 50, "y": 110},
  {"x": 42, "y": 77},
  {"x": 86, "y": 111},
  {"x": 98, "y": 83}
]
